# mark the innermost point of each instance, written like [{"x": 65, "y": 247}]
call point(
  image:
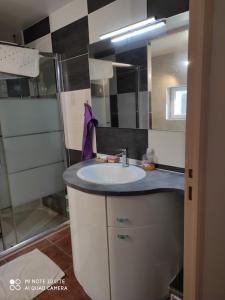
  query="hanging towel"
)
[{"x": 89, "y": 123}]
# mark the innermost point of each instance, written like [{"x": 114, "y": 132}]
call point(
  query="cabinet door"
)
[
  {"x": 89, "y": 243},
  {"x": 143, "y": 261},
  {"x": 145, "y": 210}
]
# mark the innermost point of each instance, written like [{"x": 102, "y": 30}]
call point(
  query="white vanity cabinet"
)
[
  {"x": 126, "y": 247},
  {"x": 90, "y": 242},
  {"x": 145, "y": 244}
]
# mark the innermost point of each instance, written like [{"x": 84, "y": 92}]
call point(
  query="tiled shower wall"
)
[{"x": 68, "y": 31}]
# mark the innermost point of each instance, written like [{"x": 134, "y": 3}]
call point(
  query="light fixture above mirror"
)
[{"x": 134, "y": 30}]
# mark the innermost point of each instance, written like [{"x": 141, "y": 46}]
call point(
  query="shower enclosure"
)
[{"x": 32, "y": 154}]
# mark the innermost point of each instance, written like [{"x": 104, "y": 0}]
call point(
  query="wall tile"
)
[
  {"x": 126, "y": 81},
  {"x": 36, "y": 31},
  {"x": 168, "y": 8},
  {"x": 169, "y": 147},
  {"x": 127, "y": 110},
  {"x": 36, "y": 183},
  {"x": 136, "y": 57},
  {"x": 73, "y": 156},
  {"x": 73, "y": 116},
  {"x": 114, "y": 110},
  {"x": 29, "y": 116},
  {"x": 118, "y": 14},
  {"x": 68, "y": 14},
  {"x": 109, "y": 140},
  {"x": 96, "y": 4},
  {"x": 18, "y": 87},
  {"x": 76, "y": 73},
  {"x": 71, "y": 40},
  {"x": 34, "y": 150},
  {"x": 43, "y": 44}
]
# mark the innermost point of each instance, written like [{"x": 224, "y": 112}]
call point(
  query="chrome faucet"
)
[{"x": 123, "y": 155}]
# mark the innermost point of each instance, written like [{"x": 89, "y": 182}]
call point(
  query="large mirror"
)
[{"x": 142, "y": 83}]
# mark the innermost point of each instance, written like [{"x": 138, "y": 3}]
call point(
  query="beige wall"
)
[
  {"x": 213, "y": 255},
  {"x": 168, "y": 70},
  {"x": 168, "y": 146}
]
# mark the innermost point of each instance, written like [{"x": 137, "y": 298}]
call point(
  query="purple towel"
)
[{"x": 89, "y": 123}]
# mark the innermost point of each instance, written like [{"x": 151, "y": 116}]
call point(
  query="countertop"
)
[{"x": 154, "y": 182}]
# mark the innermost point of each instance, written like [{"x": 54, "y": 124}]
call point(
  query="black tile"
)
[
  {"x": 114, "y": 111},
  {"x": 76, "y": 73},
  {"x": 71, "y": 40},
  {"x": 109, "y": 140},
  {"x": 165, "y": 9},
  {"x": 96, "y": 4},
  {"x": 36, "y": 31},
  {"x": 143, "y": 80},
  {"x": 73, "y": 156},
  {"x": 136, "y": 57},
  {"x": 18, "y": 87},
  {"x": 101, "y": 49},
  {"x": 126, "y": 81}
]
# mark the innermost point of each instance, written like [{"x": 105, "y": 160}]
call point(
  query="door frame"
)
[{"x": 200, "y": 35}]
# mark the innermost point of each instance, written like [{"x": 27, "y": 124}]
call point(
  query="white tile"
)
[
  {"x": 73, "y": 117},
  {"x": 4, "y": 188},
  {"x": 31, "y": 151},
  {"x": 69, "y": 13},
  {"x": 169, "y": 147},
  {"x": 143, "y": 103},
  {"x": 43, "y": 44},
  {"x": 117, "y": 14},
  {"x": 36, "y": 183},
  {"x": 127, "y": 117},
  {"x": 29, "y": 116}
]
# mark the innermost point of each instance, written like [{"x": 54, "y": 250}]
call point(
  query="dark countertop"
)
[{"x": 154, "y": 182}]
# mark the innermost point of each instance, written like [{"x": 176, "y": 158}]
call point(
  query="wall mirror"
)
[{"x": 141, "y": 83}]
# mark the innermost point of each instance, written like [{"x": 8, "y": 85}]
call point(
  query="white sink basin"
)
[{"x": 111, "y": 173}]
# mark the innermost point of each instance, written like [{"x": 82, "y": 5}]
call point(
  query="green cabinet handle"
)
[
  {"x": 122, "y": 220},
  {"x": 123, "y": 236}
]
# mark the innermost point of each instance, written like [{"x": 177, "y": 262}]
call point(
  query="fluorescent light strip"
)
[
  {"x": 138, "y": 32},
  {"x": 121, "y": 65},
  {"x": 128, "y": 28}
]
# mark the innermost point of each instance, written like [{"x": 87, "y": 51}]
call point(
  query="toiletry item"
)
[
  {"x": 150, "y": 155},
  {"x": 149, "y": 167},
  {"x": 101, "y": 158},
  {"x": 148, "y": 160},
  {"x": 113, "y": 159}
]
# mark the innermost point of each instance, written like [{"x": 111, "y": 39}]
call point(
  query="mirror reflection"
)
[
  {"x": 169, "y": 62},
  {"x": 142, "y": 84}
]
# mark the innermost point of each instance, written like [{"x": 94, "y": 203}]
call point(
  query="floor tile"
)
[
  {"x": 2, "y": 262},
  {"x": 58, "y": 235},
  {"x": 65, "y": 244},
  {"x": 63, "y": 260},
  {"x": 74, "y": 290}
]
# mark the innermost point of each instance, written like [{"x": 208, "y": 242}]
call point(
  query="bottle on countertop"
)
[{"x": 148, "y": 160}]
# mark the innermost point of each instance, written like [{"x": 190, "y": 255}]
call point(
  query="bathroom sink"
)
[{"x": 111, "y": 173}]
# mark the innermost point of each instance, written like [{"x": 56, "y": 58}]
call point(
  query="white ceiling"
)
[{"x": 18, "y": 14}]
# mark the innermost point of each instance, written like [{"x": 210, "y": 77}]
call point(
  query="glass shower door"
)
[{"x": 32, "y": 192}]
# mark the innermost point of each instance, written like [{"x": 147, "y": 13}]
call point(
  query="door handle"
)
[{"x": 123, "y": 236}]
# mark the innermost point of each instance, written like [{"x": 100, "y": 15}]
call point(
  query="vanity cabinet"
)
[
  {"x": 126, "y": 247},
  {"x": 89, "y": 243}
]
